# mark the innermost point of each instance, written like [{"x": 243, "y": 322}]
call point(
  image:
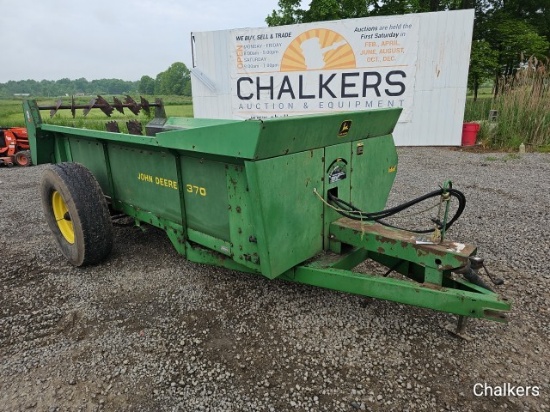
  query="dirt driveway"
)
[{"x": 148, "y": 331}]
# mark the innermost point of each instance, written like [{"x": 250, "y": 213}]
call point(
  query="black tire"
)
[
  {"x": 23, "y": 158},
  {"x": 77, "y": 213}
]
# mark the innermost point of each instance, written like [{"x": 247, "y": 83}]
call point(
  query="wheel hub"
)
[{"x": 62, "y": 217}]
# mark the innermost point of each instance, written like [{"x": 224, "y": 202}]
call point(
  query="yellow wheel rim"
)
[{"x": 62, "y": 217}]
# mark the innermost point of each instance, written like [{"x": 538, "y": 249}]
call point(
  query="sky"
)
[{"x": 121, "y": 39}]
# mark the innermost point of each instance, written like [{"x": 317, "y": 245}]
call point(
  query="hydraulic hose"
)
[{"x": 348, "y": 210}]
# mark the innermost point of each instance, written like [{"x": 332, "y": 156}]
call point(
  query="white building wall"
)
[{"x": 441, "y": 81}]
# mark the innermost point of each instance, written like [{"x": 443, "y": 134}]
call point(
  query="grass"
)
[
  {"x": 523, "y": 106},
  {"x": 479, "y": 109},
  {"x": 11, "y": 113}
]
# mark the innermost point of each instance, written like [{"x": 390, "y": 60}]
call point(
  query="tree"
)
[
  {"x": 514, "y": 41},
  {"x": 319, "y": 10},
  {"x": 536, "y": 13},
  {"x": 146, "y": 85},
  {"x": 65, "y": 86},
  {"x": 483, "y": 65},
  {"x": 80, "y": 85},
  {"x": 187, "y": 89},
  {"x": 391, "y": 7},
  {"x": 173, "y": 80},
  {"x": 336, "y": 9},
  {"x": 289, "y": 13}
]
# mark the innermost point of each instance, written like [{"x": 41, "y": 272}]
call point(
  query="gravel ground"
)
[{"x": 149, "y": 331}]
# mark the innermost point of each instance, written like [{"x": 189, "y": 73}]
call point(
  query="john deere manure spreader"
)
[{"x": 296, "y": 198}]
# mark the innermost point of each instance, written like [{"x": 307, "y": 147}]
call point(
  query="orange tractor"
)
[{"x": 14, "y": 146}]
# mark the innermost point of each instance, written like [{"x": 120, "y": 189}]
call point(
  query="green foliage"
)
[
  {"x": 335, "y": 9},
  {"x": 289, "y": 13},
  {"x": 63, "y": 87},
  {"x": 534, "y": 12},
  {"x": 11, "y": 113},
  {"x": 392, "y": 7},
  {"x": 523, "y": 111},
  {"x": 175, "y": 80},
  {"x": 320, "y": 10},
  {"x": 515, "y": 41},
  {"x": 323, "y": 10},
  {"x": 523, "y": 107},
  {"x": 146, "y": 85},
  {"x": 483, "y": 64},
  {"x": 477, "y": 109}
]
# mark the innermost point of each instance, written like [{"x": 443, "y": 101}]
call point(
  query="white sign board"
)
[
  {"x": 417, "y": 61},
  {"x": 339, "y": 66}
]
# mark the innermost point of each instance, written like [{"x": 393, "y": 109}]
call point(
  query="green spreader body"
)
[{"x": 253, "y": 196}]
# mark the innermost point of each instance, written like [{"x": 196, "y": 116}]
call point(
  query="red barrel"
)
[{"x": 469, "y": 133}]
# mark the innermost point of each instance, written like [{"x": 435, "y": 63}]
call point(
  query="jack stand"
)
[{"x": 460, "y": 330}]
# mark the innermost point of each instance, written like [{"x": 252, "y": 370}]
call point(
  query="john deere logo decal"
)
[{"x": 344, "y": 128}]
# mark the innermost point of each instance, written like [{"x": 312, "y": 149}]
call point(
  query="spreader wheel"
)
[
  {"x": 77, "y": 213},
  {"x": 23, "y": 158}
]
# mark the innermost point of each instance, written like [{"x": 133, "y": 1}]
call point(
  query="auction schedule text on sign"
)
[{"x": 329, "y": 66}]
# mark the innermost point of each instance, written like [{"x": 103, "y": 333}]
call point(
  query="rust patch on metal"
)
[
  {"x": 495, "y": 315},
  {"x": 458, "y": 253},
  {"x": 431, "y": 286},
  {"x": 390, "y": 235},
  {"x": 383, "y": 239}
]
